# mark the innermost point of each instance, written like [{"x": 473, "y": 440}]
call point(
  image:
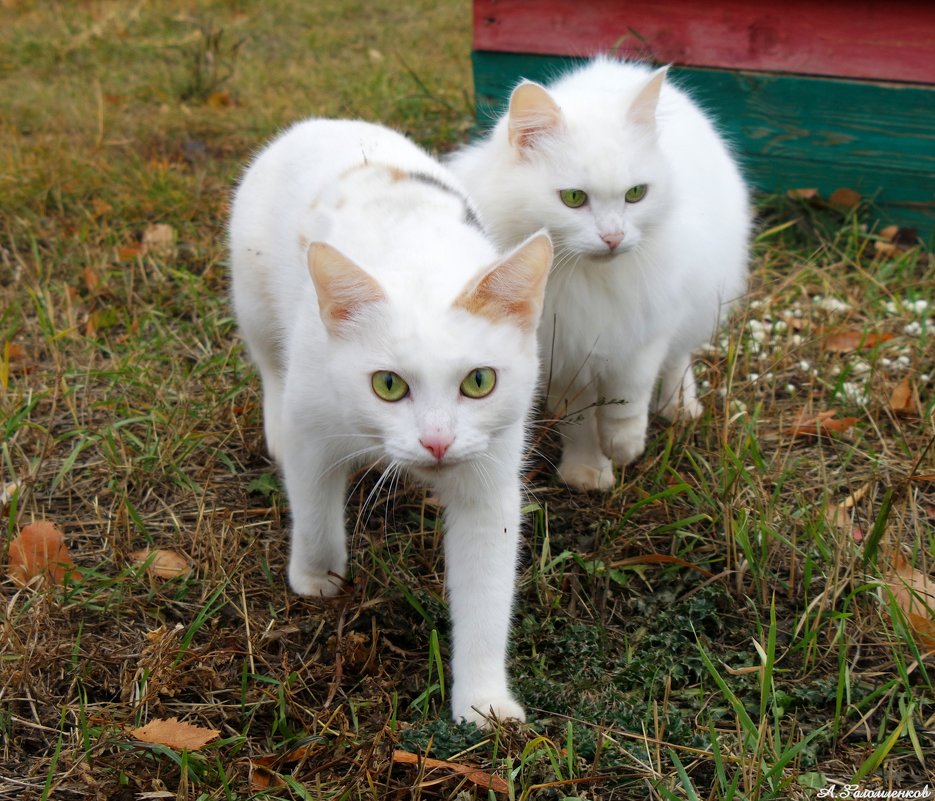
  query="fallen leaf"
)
[
  {"x": 886, "y": 248},
  {"x": 889, "y": 233},
  {"x": 844, "y": 198},
  {"x": 91, "y": 279},
  {"x": 7, "y": 491},
  {"x": 262, "y": 778},
  {"x": 812, "y": 425},
  {"x": 903, "y": 400},
  {"x": 159, "y": 239},
  {"x": 129, "y": 252},
  {"x": 802, "y": 194},
  {"x": 13, "y": 351},
  {"x": 162, "y": 563},
  {"x": 39, "y": 550},
  {"x": 841, "y": 518},
  {"x": 476, "y": 776},
  {"x": 99, "y": 320},
  {"x": 101, "y": 207},
  {"x": 914, "y": 592},
  {"x": 220, "y": 99},
  {"x": 849, "y": 340},
  {"x": 175, "y": 734}
]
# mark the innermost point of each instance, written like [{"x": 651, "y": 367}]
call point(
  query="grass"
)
[{"x": 705, "y": 631}]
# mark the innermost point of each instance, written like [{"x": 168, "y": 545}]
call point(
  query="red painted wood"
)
[{"x": 892, "y": 40}]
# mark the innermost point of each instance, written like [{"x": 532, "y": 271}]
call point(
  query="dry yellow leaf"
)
[
  {"x": 476, "y": 776},
  {"x": 175, "y": 734},
  {"x": 849, "y": 340},
  {"x": 840, "y": 517},
  {"x": 811, "y": 425},
  {"x": 164, "y": 564},
  {"x": 39, "y": 550},
  {"x": 889, "y": 233},
  {"x": 914, "y": 592},
  {"x": 844, "y": 198},
  {"x": 902, "y": 398}
]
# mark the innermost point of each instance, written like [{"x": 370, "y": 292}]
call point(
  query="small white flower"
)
[
  {"x": 833, "y": 305},
  {"x": 754, "y": 377},
  {"x": 791, "y": 389},
  {"x": 780, "y": 326},
  {"x": 853, "y": 393},
  {"x": 796, "y": 339},
  {"x": 912, "y": 329},
  {"x": 805, "y": 365},
  {"x": 757, "y": 304},
  {"x": 903, "y": 360},
  {"x": 919, "y": 306},
  {"x": 859, "y": 366}
]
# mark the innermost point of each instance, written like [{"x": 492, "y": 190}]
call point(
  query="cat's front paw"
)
[
  {"x": 484, "y": 712},
  {"x": 587, "y": 477},
  {"x": 624, "y": 442},
  {"x": 314, "y": 585}
]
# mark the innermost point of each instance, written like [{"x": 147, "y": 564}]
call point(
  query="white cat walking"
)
[
  {"x": 650, "y": 219},
  {"x": 386, "y": 327}
]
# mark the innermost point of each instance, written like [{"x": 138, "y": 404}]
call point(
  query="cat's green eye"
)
[
  {"x": 636, "y": 193},
  {"x": 389, "y": 386},
  {"x": 479, "y": 383},
  {"x": 573, "y": 198}
]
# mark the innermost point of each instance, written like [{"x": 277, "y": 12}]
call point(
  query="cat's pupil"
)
[
  {"x": 478, "y": 378},
  {"x": 388, "y": 381}
]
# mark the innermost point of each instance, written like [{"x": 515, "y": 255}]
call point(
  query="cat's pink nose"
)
[
  {"x": 612, "y": 240},
  {"x": 437, "y": 445}
]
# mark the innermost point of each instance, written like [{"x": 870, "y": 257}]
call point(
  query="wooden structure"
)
[{"x": 826, "y": 95}]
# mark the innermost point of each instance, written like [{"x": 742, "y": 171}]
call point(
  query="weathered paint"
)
[{"x": 891, "y": 40}]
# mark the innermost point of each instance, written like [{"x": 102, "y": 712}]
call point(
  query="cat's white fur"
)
[
  {"x": 354, "y": 252},
  {"x": 635, "y": 287}
]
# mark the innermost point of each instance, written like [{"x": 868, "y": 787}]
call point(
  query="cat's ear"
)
[
  {"x": 643, "y": 110},
  {"x": 513, "y": 289},
  {"x": 343, "y": 288},
  {"x": 532, "y": 113}
]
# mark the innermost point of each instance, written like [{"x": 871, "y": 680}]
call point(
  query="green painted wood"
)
[{"x": 789, "y": 131}]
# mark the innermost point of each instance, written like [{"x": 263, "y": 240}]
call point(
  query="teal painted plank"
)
[{"x": 789, "y": 131}]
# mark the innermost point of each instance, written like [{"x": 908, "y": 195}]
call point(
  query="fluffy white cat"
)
[
  {"x": 650, "y": 219},
  {"x": 387, "y": 327}
]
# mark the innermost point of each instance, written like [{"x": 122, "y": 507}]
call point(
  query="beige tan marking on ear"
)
[
  {"x": 513, "y": 289},
  {"x": 343, "y": 288}
]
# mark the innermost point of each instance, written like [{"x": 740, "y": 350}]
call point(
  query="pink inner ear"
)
[
  {"x": 532, "y": 113},
  {"x": 512, "y": 291},
  {"x": 643, "y": 109},
  {"x": 343, "y": 288}
]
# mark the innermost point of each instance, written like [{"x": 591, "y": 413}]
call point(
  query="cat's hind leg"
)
[{"x": 677, "y": 394}]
